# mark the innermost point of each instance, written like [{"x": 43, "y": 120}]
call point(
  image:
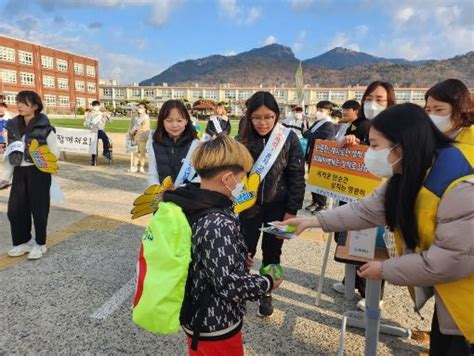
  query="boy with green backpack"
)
[{"x": 213, "y": 291}]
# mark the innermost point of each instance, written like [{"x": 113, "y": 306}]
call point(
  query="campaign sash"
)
[
  {"x": 187, "y": 171},
  {"x": 217, "y": 124},
  {"x": 319, "y": 124}
]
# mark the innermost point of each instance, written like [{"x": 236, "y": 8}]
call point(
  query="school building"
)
[{"x": 65, "y": 81}]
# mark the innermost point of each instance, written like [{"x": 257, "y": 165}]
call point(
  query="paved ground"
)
[{"x": 76, "y": 300}]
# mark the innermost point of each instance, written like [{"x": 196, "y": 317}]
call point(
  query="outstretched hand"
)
[
  {"x": 371, "y": 270},
  {"x": 301, "y": 224},
  {"x": 349, "y": 141}
]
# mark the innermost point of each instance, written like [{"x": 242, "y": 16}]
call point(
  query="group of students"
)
[{"x": 425, "y": 155}]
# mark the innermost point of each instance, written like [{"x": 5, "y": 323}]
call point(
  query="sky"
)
[{"x": 136, "y": 39}]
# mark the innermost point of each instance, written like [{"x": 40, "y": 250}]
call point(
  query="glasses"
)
[{"x": 263, "y": 118}]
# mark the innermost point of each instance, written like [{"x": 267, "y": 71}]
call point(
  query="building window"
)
[
  {"x": 244, "y": 94},
  {"x": 166, "y": 93},
  {"x": 402, "y": 95},
  {"x": 47, "y": 62},
  {"x": 90, "y": 71},
  {"x": 90, "y": 101},
  {"x": 229, "y": 94},
  {"x": 107, "y": 91},
  {"x": 120, "y": 92},
  {"x": 25, "y": 57},
  {"x": 279, "y": 94},
  {"x": 50, "y": 100},
  {"x": 7, "y": 54},
  {"x": 322, "y": 95},
  {"x": 80, "y": 85},
  {"x": 79, "y": 68},
  {"x": 64, "y": 101},
  {"x": 48, "y": 81},
  {"x": 9, "y": 98},
  {"x": 196, "y": 94},
  {"x": 149, "y": 93},
  {"x": 8, "y": 76},
  {"x": 137, "y": 93},
  {"x": 27, "y": 78},
  {"x": 91, "y": 87},
  {"x": 179, "y": 94},
  {"x": 210, "y": 94},
  {"x": 61, "y": 65},
  {"x": 418, "y": 95},
  {"x": 63, "y": 83},
  {"x": 81, "y": 102},
  {"x": 358, "y": 95},
  {"x": 338, "y": 96}
]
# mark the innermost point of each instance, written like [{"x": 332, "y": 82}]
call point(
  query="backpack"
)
[{"x": 162, "y": 272}]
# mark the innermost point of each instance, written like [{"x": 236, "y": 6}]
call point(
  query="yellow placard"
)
[{"x": 340, "y": 173}]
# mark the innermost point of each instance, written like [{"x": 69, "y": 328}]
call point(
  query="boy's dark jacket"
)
[{"x": 218, "y": 264}]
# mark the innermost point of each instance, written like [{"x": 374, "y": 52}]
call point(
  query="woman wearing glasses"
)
[{"x": 281, "y": 190}]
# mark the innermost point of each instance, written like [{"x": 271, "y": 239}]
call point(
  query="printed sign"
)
[
  {"x": 77, "y": 140},
  {"x": 362, "y": 243},
  {"x": 340, "y": 173}
]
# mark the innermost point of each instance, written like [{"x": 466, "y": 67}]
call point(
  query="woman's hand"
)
[
  {"x": 349, "y": 140},
  {"x": 301, "y": 224},
  {"x": 371, "y": 270}
]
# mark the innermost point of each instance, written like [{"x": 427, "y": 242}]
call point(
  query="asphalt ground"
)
[{"x": 77, "y": 298}]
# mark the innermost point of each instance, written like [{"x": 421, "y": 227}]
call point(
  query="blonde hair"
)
[
  {"x": 220, "y": 106},
  {"x": 222, "y": 153}
]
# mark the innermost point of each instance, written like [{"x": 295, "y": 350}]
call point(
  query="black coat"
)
[
  {"x": 285, "y": 181},
  {"x": 170, "y": 155},
  {"x": 360, "y": 129},
  {"x": 327, "y": 131},
  {"x": 225, "y": 126}
]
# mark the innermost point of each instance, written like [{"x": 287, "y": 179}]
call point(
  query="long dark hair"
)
[
  {"x": 189, "y": 130},
  {"x": 29, "y": 98},
  {"x": 255, "y": 102},
  {"x": 391, "y": 99},
  {"x": 410, "y": 127},
  {"x": 455, "y": 93}
]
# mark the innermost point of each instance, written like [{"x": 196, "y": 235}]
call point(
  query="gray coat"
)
[{"x": 449, "y": 258}]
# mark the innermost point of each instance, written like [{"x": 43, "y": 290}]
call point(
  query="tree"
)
[{"x": 80, "y": 110}]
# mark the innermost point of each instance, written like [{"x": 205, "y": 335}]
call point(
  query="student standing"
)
[
  {"x": 219, "y": 123},
  {"x": 29, "y": 196},
  {"x": 138, "y": 133},
  {"x": 281, "y": 191},
  {"x": 96, "y": 120},
  {"x": 170, "y": 142}
]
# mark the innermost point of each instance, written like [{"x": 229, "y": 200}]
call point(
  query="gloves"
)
[
  {"x": 42, "y": 157},
  {"x": 147, "y": 203},
  {"x": 248, "y": 198}
]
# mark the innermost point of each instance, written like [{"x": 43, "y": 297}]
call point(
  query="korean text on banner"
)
[
  {"x": 340, "y": 173},
  {"x": 77, "y": 140}
]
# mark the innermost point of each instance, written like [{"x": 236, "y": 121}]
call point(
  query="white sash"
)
[
  {"x": 187, "y": 171},
  {"x": 271, "y": 151},
  {"x": 138, "y": 121},
  {"x": 319, "y": 124},
  {"x": 217, "y": 124},
  {"x": 342, "y": 131}
]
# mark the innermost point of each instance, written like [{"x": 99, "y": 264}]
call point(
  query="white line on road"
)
[{"x": 115, "y": 301}]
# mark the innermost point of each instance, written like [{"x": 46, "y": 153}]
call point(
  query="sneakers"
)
[
  {"x": 107, "y": 155},
  {"x": 361, "y": 304},
  {"x": 339, "y": 287},
  {"x": 265, "y": 307},
  {"x": 133, "y": 169},
  {"x": 311, "y": 207},
  {"x": 20, "y": 250},
  {"x": 141, "y": 169},
  {"x": 37, "y": 252}
]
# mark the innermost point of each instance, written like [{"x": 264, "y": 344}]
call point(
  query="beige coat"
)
[{"x": 449, "y": 258}]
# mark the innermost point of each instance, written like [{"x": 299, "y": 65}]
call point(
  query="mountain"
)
[
  {"x": 275, "y": 65},
  {"x": 343, "y": 58}
]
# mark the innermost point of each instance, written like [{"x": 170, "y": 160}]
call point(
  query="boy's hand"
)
[
  {"x": 349, "y": 140},
  {"x": 249, "y": 261}
]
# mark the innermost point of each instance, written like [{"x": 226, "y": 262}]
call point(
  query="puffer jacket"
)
[
  {"x": 285, "y": 180},
  {"x": 450, "y": 257}
]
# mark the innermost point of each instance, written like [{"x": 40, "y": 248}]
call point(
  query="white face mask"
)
[
  {"x": 96, "y": 108},
  {"x": 239, "y": 188},
  {"x": 372, "y": 109},
  {"x": 443, "y": 123},
  {"x": 141, "y": 110},
  {"x": 321, "y": 115},
  {"x": 377, "y": 162},
  {"x": 299, "y": 115}
]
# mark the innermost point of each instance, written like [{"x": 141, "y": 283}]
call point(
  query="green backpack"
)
[{"x": 162, "y": 271}]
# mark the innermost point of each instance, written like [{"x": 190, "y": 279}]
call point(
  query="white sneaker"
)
[
  {"x": 141, "y": 169},
  {"x": 20, "y": 250},
  {"x": 361, "y": 304},
  {"x": 37, "y": 252},
  {"x": 133, "y": 169},
  {"x": 339, "y": 287}
]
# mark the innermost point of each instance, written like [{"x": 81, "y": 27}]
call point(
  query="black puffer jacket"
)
[
  {"x": 285, "y": 180},
  {"x": 225, "y": 126},
  {"x": 170, "y": 155}
]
